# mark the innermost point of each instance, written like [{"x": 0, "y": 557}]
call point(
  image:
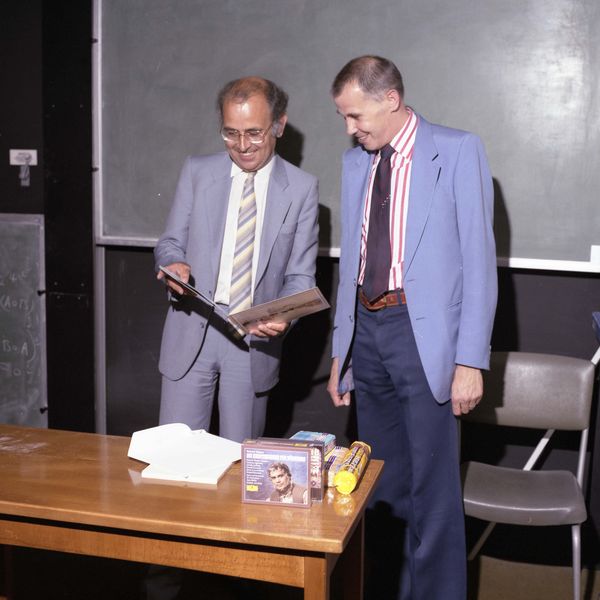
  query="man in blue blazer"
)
[
  {"x": 198, "y": 350},
  {"x": 414, "y": 315}
]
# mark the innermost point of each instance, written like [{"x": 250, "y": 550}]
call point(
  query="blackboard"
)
[
  {"x": 23, "y": 396},
  {"x": 521, "y": 73}
]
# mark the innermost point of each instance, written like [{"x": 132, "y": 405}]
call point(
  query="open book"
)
[
  {"x": 176, "y": 453},
  {"x": 282, "y": 310}
]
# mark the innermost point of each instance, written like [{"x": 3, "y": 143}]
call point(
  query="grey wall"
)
[{"x": 521, "y": 73}]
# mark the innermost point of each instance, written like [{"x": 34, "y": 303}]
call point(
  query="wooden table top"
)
[{"x": 88, "y": 479}]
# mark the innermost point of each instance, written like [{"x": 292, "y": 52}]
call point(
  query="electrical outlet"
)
[{"x": 23, "y": 157}]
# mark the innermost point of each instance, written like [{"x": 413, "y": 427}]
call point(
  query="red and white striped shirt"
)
[{"x": 401, "y": 166}]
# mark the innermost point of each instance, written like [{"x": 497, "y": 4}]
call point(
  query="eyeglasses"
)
[{"x": 254, "y": 136}]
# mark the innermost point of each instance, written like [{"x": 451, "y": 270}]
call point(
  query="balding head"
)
[{"x": 239, "y": 90}]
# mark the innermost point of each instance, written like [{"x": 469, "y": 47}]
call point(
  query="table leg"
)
[
  {"x": 316, "y": 578},
  {"x": 351, "y": 565},
  {"x": 8, "y": 566}
]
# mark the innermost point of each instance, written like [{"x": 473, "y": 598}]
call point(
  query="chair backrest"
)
[{"x": 542, "y": 391}]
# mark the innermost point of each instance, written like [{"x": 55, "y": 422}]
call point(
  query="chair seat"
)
[{"x": 504, "y": 495}]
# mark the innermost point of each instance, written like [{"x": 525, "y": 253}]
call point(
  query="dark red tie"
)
[{"x": 378, "y": 262}]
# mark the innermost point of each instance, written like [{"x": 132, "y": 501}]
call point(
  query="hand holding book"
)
[{"x": 182, "y": 272}]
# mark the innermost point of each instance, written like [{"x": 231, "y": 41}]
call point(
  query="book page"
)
[{"x": 282, "y": 310}]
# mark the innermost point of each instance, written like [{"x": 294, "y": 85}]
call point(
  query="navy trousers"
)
[{"x": 415, "y": 524}]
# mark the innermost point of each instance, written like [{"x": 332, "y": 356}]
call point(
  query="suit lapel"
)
[
  {"x": 276, "y": 208},
  {"x": 357, "y": 182},
  {"x": 214, "y": 211},
  {"x": 424, "y": 176}
]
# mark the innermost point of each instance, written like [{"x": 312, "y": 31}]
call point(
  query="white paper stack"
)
[{"x": 176, "y": 453}]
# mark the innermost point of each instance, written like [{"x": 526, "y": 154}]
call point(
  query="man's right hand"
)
[
  {"x": 332, "y": 387},
  {"x": 182, "y": 270}
]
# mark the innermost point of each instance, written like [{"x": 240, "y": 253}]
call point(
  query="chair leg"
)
[
  {"x": 576, "y": 538},
  {"x": 481, "y": 541}
]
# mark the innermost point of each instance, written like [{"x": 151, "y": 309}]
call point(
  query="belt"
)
[{"x": 391, "y": 298}]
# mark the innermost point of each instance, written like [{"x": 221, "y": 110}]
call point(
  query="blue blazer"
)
[
  {"x": 449, "y": 274},
  {"x": 194, "y": 235}
]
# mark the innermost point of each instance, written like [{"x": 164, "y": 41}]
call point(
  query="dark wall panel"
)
[
  {"x": 21, "y": 122},
  {"x": 45, "y": 105},
  {"x": 68, "y": 210},
  {"x": 136, "y": 306}
]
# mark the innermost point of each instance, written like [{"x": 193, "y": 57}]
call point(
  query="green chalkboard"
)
[
  {"x": 523, "y": 74},
  {"x": 23, "y": 397}
]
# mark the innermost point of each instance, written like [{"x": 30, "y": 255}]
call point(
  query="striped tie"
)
[{"x": 240, "y": 292}]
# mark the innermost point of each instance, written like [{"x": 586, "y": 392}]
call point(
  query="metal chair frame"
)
[{"x": 497, "y": 415}]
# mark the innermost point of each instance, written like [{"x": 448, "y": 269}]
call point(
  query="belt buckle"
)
[
  {"x": 394, "y": 298},
  {"x": 390, "y": 298}
]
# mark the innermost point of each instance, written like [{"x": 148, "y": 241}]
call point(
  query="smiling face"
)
[
  {"x": 252, "y": 114},
  {"x": 371, "y": 120}
]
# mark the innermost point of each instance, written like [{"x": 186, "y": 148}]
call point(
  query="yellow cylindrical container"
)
[{"x": 352, "y": 468}]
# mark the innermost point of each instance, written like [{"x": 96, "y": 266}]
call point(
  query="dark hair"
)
[
  {"x": 279, "y": 466},
  {"x": 240, "y": 90},
  {"x": 375, "y": 76}
]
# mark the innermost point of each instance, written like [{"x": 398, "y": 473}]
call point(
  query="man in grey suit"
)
[
  {"x": 243, "y": 230},
  {"x": 280, "y": 246},
  {"x": 414, "y": 315}
]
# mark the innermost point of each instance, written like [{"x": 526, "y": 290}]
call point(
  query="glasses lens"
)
[
  {"x": 230, "y": 135},
  {"x": 254, "y": 136}
]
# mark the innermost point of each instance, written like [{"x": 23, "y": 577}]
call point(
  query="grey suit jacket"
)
[{"x": 194, "y": 235}]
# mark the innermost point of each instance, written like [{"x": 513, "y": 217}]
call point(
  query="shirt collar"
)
[{"x": 404, "y": 140}]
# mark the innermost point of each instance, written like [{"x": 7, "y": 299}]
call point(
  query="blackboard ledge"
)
[{"x": 577, "y": 266}]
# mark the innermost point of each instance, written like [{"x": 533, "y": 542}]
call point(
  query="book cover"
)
[
  {"x": 275, "y": 474},
  {"x": 317, "y": 458},
  {"x": 282, "y": 310}
]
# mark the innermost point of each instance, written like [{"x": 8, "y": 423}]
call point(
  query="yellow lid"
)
[{"x": 345, "y": 482}]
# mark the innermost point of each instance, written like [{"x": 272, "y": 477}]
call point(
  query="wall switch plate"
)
[{"x": 23, "y": 157}]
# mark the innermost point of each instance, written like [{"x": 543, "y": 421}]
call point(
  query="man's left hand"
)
[
  {"x": 467, "y": 389},
  {"x": 265, "y": 330}
]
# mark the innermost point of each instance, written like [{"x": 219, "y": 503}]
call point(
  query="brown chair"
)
[{"x": 536, "y": 391}]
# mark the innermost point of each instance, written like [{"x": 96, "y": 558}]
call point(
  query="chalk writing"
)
[{"x": 9, "y": 303}]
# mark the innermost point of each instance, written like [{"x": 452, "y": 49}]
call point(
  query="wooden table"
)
[{"x": 80, "y": 493}]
